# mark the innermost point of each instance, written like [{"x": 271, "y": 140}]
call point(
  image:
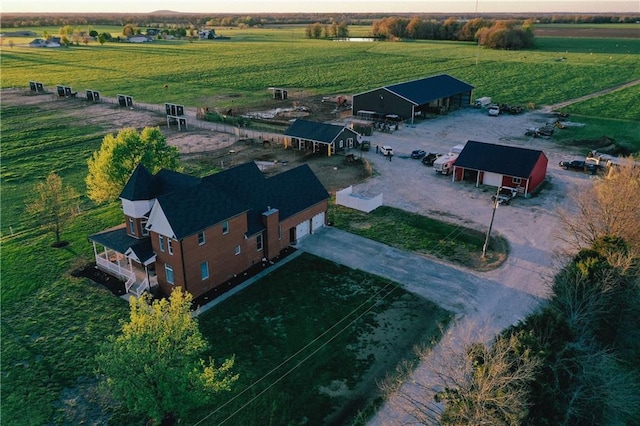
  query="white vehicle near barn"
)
[
  {"x": 444, "y": 164},
  {"x": 483, "y": 102}
]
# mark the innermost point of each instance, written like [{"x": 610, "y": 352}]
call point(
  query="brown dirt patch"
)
[{"x": 209, "y": 148}]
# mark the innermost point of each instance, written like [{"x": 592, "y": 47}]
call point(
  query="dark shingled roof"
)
[
  {"x": 314, "y": 131},
  {"x": 117, "y": 239},
  {"x": 241, "y": 189},
  {"x": 425, "y": 90},
  {"x": 506, "y": 160},
  {"x": 142, "y": 185}
]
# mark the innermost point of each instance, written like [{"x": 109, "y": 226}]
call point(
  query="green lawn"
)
[
  {"x": 421, "y": 234},
  {"x": 53, "y": 322},
  {"x": 309, "y": 325}
]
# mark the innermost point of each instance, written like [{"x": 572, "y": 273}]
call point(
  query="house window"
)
[
  {"x": 279, "y": 232},
  {"x": 259, "y": 242},
  {"x": 225, "y": 227},
  {"x": 143, "y": 224},
  {"x": 201, "y": 238},
  {"x": 161, "y": 241},
  {"x": 169, "y": 245},
  {"x": 168, "y": 269},
  {"x": 341, "y": 144},
  {"x": 237, "y": 250},
  {"x": 517, "y": 181},
  {"x": 204, "y": 270},
  {"x": 132, "y": 227}
]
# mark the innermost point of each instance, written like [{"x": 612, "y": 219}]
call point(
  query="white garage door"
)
[
  {"x": 302, "y": 230},
  {"x": 317, "y": 221},
  {"x": 492, "y": 179}
]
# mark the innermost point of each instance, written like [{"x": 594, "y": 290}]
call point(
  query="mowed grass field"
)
[{"x": 52, "y": 322}]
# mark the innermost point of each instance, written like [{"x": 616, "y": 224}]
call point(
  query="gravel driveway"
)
[{"x": 496, "y": 298}]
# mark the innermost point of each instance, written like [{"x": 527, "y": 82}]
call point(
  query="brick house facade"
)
[{"x": 197, "y": 233}]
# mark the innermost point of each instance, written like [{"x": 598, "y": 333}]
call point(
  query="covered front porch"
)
[{"x": 126, "y": 258}]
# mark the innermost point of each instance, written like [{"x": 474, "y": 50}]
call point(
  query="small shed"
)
[
  {"x": 279, "y": 93},
  {"x": 316, "y": 137},
  {"x": 501, "y": 165}
]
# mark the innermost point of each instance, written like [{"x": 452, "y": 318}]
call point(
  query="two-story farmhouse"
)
[{"x": 197, "y": 233}]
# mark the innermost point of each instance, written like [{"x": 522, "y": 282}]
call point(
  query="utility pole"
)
[{"x": 493, "y": 214}]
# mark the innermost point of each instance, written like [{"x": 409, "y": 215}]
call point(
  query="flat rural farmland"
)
[{"x": 238, "y": 72}]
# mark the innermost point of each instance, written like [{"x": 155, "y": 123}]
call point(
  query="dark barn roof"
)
[
  {"x": 429, "y": 89},
  {"x": 506, "y": 160},
  {"x": 314, "y": 131}
]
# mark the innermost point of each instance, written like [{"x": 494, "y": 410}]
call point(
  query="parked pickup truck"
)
[{"x": 505, "y": 195}]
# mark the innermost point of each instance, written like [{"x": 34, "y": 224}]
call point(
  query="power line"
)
[
  {"x": 297, "y": 353},
  {"x": 302, "y": 361}
]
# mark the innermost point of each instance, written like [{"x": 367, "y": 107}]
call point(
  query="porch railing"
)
[
  {"x": 130, "y": 282},
  {"x": 114, "y": 268}
]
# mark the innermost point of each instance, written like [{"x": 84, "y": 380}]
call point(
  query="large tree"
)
[
  {"x": 111, "y": 166},
  {"x": 153, "y": 368},
  {"x": 608, "y": 208},
  {"x": 53, "y": 204}
]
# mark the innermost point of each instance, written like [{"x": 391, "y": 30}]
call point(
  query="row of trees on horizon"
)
[{"x": 166, "y": 19}]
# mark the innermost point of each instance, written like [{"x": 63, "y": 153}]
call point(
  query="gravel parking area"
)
[{"x": 507, "y": 294}]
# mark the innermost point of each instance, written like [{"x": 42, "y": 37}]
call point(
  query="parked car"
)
[
  {"x": 365, "y": 145},
  {"x": 428, "y": 159},
  {"x": 494, "y": 110},
  {"x": 418, "y": 153},
  {"x": 386, "y": 150},
  {"x": 505, "y": 195},
  {"x": 580, "y": 165}
]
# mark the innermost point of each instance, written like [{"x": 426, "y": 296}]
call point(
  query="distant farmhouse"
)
[
  {"x": 50, "y": 42},
  {"x": 437, "y": 94},
  {"x": 198, "y": 233},
  {"x": 138, "y": 38}
]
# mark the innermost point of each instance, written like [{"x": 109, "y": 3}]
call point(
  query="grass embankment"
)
[{"x": 422, "y": 235}]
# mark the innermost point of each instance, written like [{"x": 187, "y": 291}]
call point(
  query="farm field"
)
[
  {"x": 237, "y": 72},
  {"x": 52, "y": 321}
]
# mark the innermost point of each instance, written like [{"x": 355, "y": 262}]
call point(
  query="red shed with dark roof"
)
[{"x": 501, "y": 165}]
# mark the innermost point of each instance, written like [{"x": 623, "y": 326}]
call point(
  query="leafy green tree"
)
[
  {"x": 111, "y": 166},
  {"x": 153, "y": 368},
  {"x": 54, "y": 204}
]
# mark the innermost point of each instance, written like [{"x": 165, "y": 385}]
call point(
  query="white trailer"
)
[{"x": 444, "y": 164}]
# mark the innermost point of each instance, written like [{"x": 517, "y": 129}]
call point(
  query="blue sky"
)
[{"x": 320, "y": 6}]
